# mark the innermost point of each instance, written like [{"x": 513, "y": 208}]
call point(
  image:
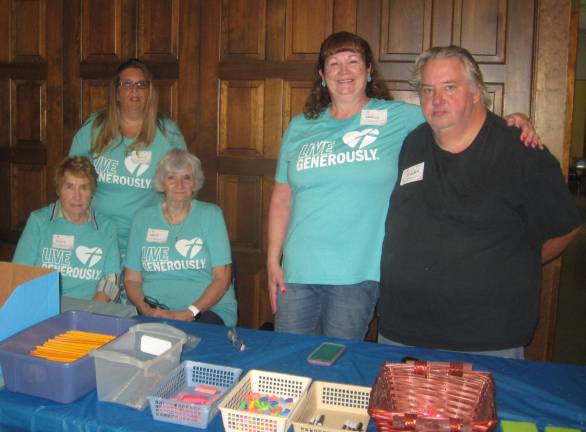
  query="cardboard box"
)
[{"x": 28, "y": 295}]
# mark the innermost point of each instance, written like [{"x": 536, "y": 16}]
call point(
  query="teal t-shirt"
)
[
  {"x": 176, "y": 261},
  {"x": 82, "y": 254},
  {"x": 125, "y": 180},
  {"x": 341, "y": 173}
]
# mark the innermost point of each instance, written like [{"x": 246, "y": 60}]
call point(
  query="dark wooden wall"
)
[{"x": 233, "y": 73}]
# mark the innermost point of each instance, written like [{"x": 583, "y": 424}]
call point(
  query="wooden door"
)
[
  {"x": 257, "y": 63},
  {"x": 233, "y": 73},
  {"x": 31, "y": 107}
]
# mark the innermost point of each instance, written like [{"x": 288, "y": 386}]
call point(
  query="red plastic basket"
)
[{"x": 438, "y": 397}]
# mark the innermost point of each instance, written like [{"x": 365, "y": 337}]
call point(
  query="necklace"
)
[{"x": 175, "y": 229}]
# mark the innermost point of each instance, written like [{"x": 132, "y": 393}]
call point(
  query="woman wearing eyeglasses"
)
[{"x": 125, "y": 141}]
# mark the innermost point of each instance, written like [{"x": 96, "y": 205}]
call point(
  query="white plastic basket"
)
[
  {"x": 189, "y": 375},
  {"x": 257, "y": 381},
  {"x": 337, "y": 403}
]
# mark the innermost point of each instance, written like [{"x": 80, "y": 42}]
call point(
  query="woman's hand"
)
[
  {"x": 101, "y": 297},
  {"x": 276, "y": 284},
  {"x": 179, "y": 315},
  {"x": 529, "y": 135}
]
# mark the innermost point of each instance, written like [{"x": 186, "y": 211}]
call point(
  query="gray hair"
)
[
  {"x": 470, "y": 68},
  {"x": 179, "y": 160}
]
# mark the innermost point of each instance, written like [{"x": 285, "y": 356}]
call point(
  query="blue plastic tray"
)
[{"x": 60, "y": 382}]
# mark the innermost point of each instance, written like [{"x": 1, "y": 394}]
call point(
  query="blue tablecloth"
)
[{"x": 538, "y": 392}]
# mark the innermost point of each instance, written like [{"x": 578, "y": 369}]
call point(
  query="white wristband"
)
[{"x": 194, "y": 310}]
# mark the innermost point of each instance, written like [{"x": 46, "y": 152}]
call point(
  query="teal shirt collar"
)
[{"x": 57, "y": 212}]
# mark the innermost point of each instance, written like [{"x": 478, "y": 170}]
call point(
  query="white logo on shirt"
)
[
  {"x": 138, "y": 162},
  {"x": 88, "y": 255},
  {"x": 364, "y": 137},
  {"x": 189, "y": 248}
]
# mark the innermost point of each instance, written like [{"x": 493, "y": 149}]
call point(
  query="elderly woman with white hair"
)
[{"x": 178, "y": 264}]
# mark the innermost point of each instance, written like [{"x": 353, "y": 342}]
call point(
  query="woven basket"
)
[{"x": 421, "y": 396}]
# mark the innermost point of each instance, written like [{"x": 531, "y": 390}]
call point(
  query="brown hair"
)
[
  {"x": 320, "y": 97},
  {"x": 77, "y": 166},
  {"x": 107, "y": 121},
  {"x": 471, "y": 68}
]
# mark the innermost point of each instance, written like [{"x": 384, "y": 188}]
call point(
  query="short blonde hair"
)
[
  {"x": 179, "y": 160},
  {"x": 77, "y": 166}
]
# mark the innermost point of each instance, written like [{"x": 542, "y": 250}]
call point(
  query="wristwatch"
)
[{"x": 194, "y": 311}]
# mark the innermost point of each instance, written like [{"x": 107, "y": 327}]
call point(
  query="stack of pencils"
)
[{"x": 71, "y": 345}]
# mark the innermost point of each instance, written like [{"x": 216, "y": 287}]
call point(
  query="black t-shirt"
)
[{"x": 461, "y": 261}]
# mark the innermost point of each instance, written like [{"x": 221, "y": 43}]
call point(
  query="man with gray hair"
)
[{"x": 473, "y": 216}]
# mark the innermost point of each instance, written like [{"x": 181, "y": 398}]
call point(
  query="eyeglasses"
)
[{"x": 139, "y": 85}]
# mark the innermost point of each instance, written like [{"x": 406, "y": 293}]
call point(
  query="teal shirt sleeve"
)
[
  {"x": 413, "y": 116},
  {"x": 28, "y": 246},
  {"x": 283, "y": 162},
  {"x": 174, "y": 135},
  {"x": 133, "y": 256},
  {"x": 112, "y": 253},
  {"x": 82, "y": 141},
  {"x": 217, "y": 238}
]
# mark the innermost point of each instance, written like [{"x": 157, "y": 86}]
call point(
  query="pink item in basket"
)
[
  {"x": 201, "y": 399},
  {"x": 208, "y": 389}
]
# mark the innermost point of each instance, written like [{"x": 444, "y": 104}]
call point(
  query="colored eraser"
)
[
  {"x": 204, "y": 388},
  {"x": 517, "y": 426}
]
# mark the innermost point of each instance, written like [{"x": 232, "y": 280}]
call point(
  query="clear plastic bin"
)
[
  {"x": 128, "y": 368},
  {"x": 185, "y": 377},
  {"x": 60, "y": 382}
]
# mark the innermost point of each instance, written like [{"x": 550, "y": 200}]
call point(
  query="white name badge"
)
[
  {"x": 61, "y": 241},
  {"x": 373, "y": 117},
  {"x": 412, "y": 174},
  {"x": 157, "y": 235},
  {"x": 141, "y": 157}
]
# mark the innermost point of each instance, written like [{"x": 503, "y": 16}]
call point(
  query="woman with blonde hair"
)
[{"x": 125, "y": 141}]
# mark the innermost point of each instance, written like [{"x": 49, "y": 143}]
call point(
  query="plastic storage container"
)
[
  {"x": 128, "y": 368},
  {"x": 187, "y": 376},
  {"x": 257, "y": 381},
  {"x": 337, "y": 405},
  {"x": 60, "y": 382}
]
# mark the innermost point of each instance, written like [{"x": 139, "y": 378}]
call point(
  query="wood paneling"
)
[
  {"x": 236, "y": 193},
  {"x": 241, "y": 118},
  {"x": 105, "y": 43},
  {"x": 28, "y": 114},
  {"x": 158, "y": 30},
  {"x": 405, "y": 31},
  {"x": 28, "y": 30},
  {"x": 94, "y": 95},
  {"x": 243, "y": 29},
  {"x": 28, "y": 186},
  {"x": 308, "y": 24}
]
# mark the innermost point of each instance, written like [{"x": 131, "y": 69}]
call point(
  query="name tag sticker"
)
[
  {"x": 157, "y": 235},
  {"x": 141, "y": 157},
  {"x": 61, "y": 241},
  {"x": 412, "y": 174},
  {"x": 373, "y": 117}
]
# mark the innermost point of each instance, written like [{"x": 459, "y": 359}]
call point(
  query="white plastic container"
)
[{"x": 128, "y": 368}]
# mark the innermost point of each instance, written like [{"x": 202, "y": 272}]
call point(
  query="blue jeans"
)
[
  {"x": 511, "y": 353},
  {"x": 342, "y": 311}
]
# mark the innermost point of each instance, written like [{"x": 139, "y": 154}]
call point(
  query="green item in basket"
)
[
  {"x": 560, "y": 429},
  {"x": 516, "y": 426}
]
